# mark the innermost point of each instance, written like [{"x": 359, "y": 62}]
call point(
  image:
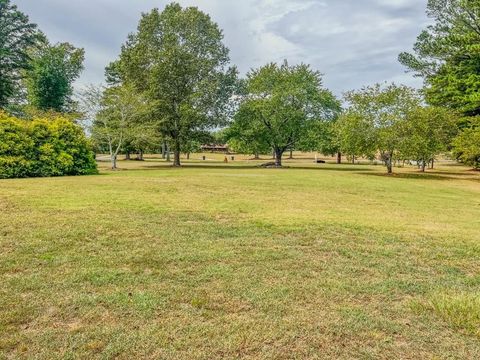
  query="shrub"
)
[{"x": 43, "y": 147}]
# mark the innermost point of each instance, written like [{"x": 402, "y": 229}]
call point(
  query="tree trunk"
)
[
  {"x": 167, "y": 150},
  {"x": 389, "y": 164},
  {"x": 113, "y": 159},
  {"x": 353, "y": 159},
  {"x": 339, "y": 157},
  {"x": 176, "y": 153},
  {"x": 140, "y": 155},
  {"x": 176, "y": 158},
  {"x": 188, "y": 156},
  {"x": 273, "y": 154},
  {"x": 291, "y": 154},
  {"x": 278, "y": 157},
  {"x": 164, "y": 149},
  {"x": 423, "y": 165},
  {"x": 257, "y": 156},
  {"x": 127, "y": 156},
  {"x": 433, "y": 164}
]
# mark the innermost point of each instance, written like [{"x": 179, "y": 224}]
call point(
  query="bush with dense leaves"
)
[{"x": 43, "y": 147}]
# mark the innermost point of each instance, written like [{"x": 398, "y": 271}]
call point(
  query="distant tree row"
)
[
  {"x": 173, "y": 88},
  {"x": 172, "y": 84}
]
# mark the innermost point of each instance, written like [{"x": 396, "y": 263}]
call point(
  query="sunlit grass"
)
[
  {"x": 220, "y": 260},
  {"x": 460, "y": 310}
]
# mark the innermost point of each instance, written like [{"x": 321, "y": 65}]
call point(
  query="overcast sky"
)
[{"x": 353, "y": 42}]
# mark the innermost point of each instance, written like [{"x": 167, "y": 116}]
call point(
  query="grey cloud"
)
[{"x": 353, "y": 42}]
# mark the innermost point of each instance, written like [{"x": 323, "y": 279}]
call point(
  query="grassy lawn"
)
[{"x": 229, "y": 261}]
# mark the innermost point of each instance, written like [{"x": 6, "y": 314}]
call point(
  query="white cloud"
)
[{"x": 352, "y": 42}]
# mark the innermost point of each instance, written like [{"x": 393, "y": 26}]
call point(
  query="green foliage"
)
[
  {"x": 447, "y": 55},
  {"x": 49, "y": 79},
  {"x": 17, "y": 35},
  {"x": 247, "y": 136},
  {"x": 355, "y": 134},
  {"x": 321, "y": 138},
  {"x": 283, "y": 104},
  {"x": 427, "y": 132},
  {"x": 177, "y": 59},
  {"x": 119, "y": 119},
  {"x": 43, "y": 147},
  {"x": 467, "y": 144},
  {"x": 375, "y": 120}
]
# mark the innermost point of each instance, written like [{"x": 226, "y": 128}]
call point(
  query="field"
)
[{"x": 219, "y": 260}]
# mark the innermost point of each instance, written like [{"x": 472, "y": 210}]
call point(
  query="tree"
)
[
  {"x": 447, "y": 55},
  {"x": 178, "y": 61},
  {"x": 283, "y": 103},
  {"x": 355, "y": 135},
  {"x": 50, "y": 77},
  {"x": 119, "y": 111},
  {"x": 247, "y": 138},
  {"x": 322, "y": 138},
  {"x": 375, "y": 119},
  {"x": 467, "y": 144},
  {"x": 142, "y": 136},
  {"x": 17, "y": 36},
  {"x": 427, "y": 132}
]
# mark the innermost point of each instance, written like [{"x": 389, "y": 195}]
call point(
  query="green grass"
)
[
  {"x": 230, "y": 261},
  {"x": 461, "y": 310}
]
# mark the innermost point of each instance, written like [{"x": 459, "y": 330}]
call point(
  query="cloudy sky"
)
[{"x": 353, "y": 42}]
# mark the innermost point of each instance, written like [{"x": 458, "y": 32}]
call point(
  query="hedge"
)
[{"x": 43, "y": 147}]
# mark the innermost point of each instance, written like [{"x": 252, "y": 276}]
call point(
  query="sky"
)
[{"x": 352, "y": 42}]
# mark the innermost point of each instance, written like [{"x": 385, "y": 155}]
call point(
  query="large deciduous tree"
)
[
  {"x": 50, "y": 77},
  {"x": 17, "y": 36},
  {"x": 178, "y": 60},
  {"x": 283, "y": 104}
]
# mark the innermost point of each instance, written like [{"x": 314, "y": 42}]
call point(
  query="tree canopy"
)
[
  {"x": 447, "y": 55},
  {"x": 282, "y": 104},
  {"x": 375, "y": 119},
  {"x": 178, "y": 60},
  {"x": 17, "y": 36},
  {"x": 51, "y": 74}
]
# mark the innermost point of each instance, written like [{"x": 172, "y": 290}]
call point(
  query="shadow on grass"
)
[
  {"x": 347, "y": 168},
  {"x": 213, "y": 166},
  {"x": 434, "y": 175}
]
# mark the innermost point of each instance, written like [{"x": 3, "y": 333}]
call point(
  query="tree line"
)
[
  {"x": 173, "y": 87},
  {"x": 176, "y": 69}
]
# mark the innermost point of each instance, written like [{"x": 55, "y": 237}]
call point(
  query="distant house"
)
[{"x": 215, "y": 148}]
